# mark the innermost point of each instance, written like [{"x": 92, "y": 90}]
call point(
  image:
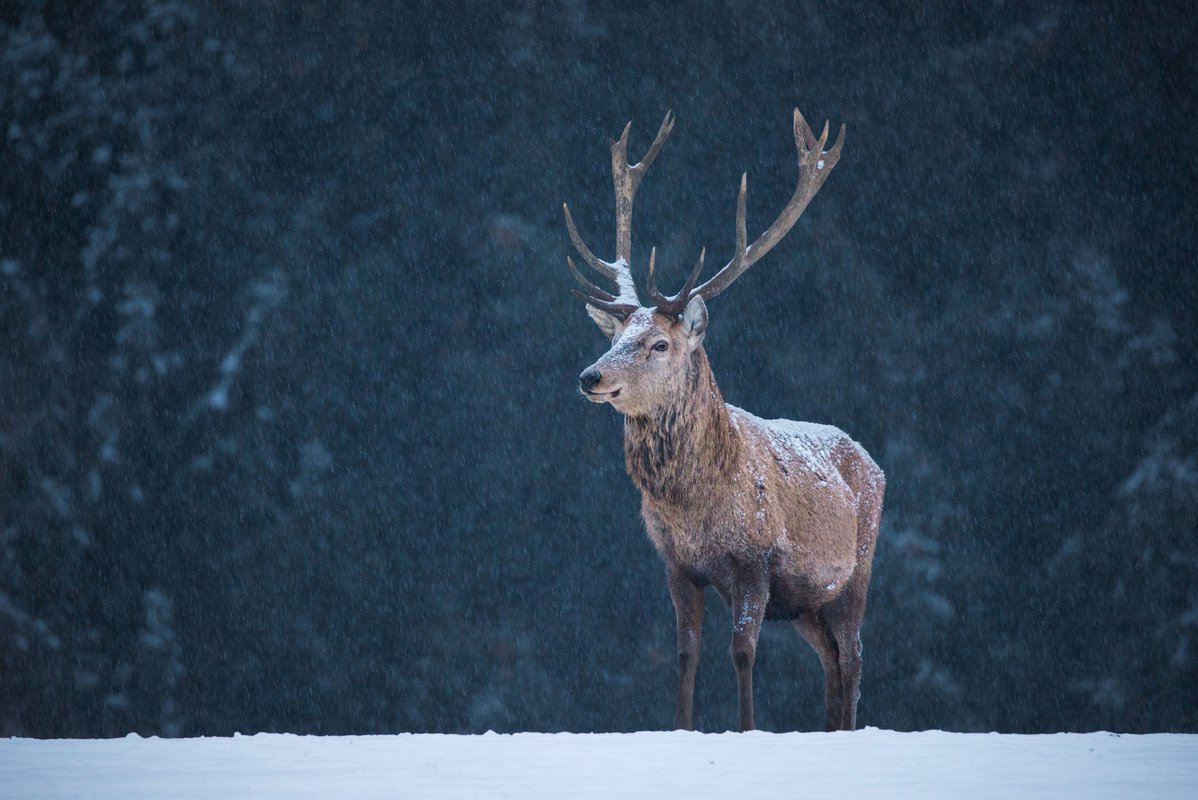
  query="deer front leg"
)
[
  {"x": 750, "y": 594},
  {"x": 688, "y": 610}
]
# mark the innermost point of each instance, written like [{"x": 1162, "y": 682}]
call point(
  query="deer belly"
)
[
  {"x": 811, "y": 568},
  {"x": 791, "y": 595}
]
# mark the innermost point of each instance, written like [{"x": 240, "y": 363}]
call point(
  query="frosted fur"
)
[
  {"x": 811, "y": 446},
  {"x": 806, "y": 445},
  {"x": 793, "y": 489},
  {"x": 779, "y": 517}
]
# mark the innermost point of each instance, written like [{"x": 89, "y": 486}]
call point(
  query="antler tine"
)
[
  {"x": 691, "y": 279},
  {"x": 663, "y": 132},
  {"x": 588, "y": 287},
  {"x": 650, "y": 283},
  {"x": 607, "y": 268},
  {"x": 742, "y": 234},
  {"x": 621, "y": 310},
  {"x": 815, "y": 164},
  {"x": 675, "y": 305},
  {"x": 626, "y": 178}
]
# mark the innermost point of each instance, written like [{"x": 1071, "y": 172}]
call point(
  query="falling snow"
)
[{"x": 290, "y": 435}]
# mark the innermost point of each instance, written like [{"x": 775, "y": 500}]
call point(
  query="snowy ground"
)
[{"x": 869, "y": 763}]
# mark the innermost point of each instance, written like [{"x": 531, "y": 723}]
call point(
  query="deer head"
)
[
  {"x": 653, "y": 347},
  {"x": 649, "y": 363}
]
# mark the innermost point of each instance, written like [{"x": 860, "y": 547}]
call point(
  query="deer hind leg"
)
[
  {"x": 844, "y": 614},
  {"x": 688, "y": 611},
  {"x": 750, "y": 595},
  {"x": 843, "y": 617},
  {"x": 816, "y": 634}
]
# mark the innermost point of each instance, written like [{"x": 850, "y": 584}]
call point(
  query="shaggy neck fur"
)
[{"x": 681, "y": 452}]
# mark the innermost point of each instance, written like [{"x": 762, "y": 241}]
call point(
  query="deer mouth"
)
[{"x": 601, "y": 397}]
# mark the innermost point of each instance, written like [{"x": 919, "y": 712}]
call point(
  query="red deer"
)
[{"x": 779, "y": 517}]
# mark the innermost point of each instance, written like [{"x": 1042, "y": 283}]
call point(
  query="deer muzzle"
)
[{"x": 588, "y": 382}]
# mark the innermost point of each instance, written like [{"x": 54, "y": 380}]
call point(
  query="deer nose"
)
[{"x": 589, "y": 379}]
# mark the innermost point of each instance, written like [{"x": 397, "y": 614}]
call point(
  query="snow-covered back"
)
[
  {"x": 812, "y": 439},
  {"x": 803, "y": 446},
  {"x": 863, "y": 764}
]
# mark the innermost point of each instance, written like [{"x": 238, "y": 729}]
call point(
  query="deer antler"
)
[
  {"x": 626, "y": 178},
  {"x": 815, "y": 164}
]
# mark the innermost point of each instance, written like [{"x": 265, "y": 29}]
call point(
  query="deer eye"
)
[{"x": 660, "y": 346}]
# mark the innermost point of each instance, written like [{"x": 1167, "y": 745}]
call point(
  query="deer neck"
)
[{"x": 680, "y": 454}]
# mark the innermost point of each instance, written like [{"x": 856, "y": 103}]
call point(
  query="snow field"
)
[{"x": 863, "y": 764}]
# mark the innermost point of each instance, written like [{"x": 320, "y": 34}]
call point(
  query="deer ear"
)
[
  {"x": 610, "y": 324},
  {"x": 694, "y": 320}
]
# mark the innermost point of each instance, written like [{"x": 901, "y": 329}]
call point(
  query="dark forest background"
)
[{"x": 289, "y": 431}]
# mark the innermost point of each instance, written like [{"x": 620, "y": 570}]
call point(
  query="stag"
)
[{"x": 779, "y": 517}]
